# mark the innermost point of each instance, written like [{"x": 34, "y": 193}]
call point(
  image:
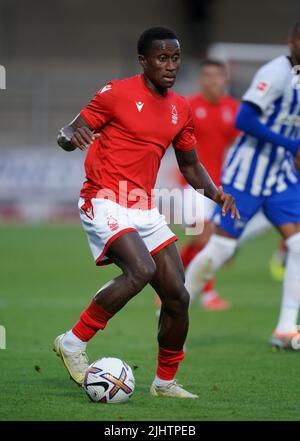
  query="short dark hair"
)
[
  {"x": 213, "y": 62},
  {"x": 294, "y": 29},
  {"x": 157, "y": 33}
]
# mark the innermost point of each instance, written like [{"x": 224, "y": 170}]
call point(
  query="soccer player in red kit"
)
[
  {"x": 214, "y": 115},
  {"x": 127, "y": 127}
]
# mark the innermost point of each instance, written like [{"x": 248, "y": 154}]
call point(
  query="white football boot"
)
[
  {"x": 76, "y": 363},
  {"x": 286, "y": 340},
  {"x": 171, "y": 390}
]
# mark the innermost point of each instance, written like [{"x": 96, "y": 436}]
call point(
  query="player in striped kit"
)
[{"x": 260, "y": 172}]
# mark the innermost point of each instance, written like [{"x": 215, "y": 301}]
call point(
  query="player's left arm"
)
[
  {"x": 196, "y": 175},
  {"x": 248, "y": 121}
]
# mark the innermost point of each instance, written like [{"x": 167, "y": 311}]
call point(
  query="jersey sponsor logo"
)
[
  {"x": 112, "y": 222},
  {"x": 174, "y": 115},
  {"x": 289, "y": 120},
  {"x": 105, "y": 88},
  {"x": 262, "y": 87},
  {"x": 139, "y": 105}
]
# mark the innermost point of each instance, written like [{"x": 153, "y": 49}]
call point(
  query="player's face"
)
[
  {"x": 294, "y": 45},
  {"x": 162, "y": 62},
  {"x": 213, "y": 81}
]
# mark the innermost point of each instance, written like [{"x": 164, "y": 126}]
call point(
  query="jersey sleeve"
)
[
  {"x": 101, "y": 107},
  {"x": 267, "y": 85},
  {"x": 185, "y": 140}
]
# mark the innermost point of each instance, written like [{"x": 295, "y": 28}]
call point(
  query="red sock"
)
[
  {"x": 188, "y": 252},
  {"x": 93, "y": 318},
  {"x": 168, "y": 362},
  {"x": 209, "y": 286}
]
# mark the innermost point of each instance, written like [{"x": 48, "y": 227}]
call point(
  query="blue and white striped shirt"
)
[{"x": 257, "y": 166}]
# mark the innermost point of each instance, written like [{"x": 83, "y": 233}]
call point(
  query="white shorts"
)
[
  {"x": 104, "y": 221},
  {"x": 196, "y": 207}
]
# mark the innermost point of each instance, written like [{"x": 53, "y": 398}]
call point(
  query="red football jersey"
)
[
  {"x": 136, "y": 126},
  {"x": 214, "y": 131}
]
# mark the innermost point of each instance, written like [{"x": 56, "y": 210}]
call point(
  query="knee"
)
[
  {"x": 141, "y": 274},
  {"x": 183, "y": 301},
  {"x": 177, "y": 303}
]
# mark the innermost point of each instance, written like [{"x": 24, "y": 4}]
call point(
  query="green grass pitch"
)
[{"x": 48, "y": 277}]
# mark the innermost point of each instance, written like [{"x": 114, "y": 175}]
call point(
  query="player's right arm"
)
[
  {"x": 77, "y": 134},
  {"x": 84, "y": 129}
]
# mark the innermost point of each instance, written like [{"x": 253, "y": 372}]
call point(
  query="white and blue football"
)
[{"x": 109, "y": 380}]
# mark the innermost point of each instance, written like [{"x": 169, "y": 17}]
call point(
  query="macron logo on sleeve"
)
[{"x": 105, "y": 88}]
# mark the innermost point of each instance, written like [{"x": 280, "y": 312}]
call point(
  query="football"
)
[{"x": 109, "y": 380}]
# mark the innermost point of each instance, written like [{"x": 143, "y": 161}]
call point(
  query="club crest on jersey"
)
[
  {"x": 112, "y": 222},
  {"x": 201, "y": 113},
  {"x": 139, "y": 105},
  {"x": 227, "y": 115},
  {"x": 174, "y": 114}
]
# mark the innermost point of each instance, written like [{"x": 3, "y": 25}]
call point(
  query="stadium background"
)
[{"x": 56, "y": 54}]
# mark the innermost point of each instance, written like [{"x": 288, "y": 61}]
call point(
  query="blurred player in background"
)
[
  {"x": 260, "y": 172},
  {"x": 214, "y": 115},
  {"x": 127, "y": 127}
]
